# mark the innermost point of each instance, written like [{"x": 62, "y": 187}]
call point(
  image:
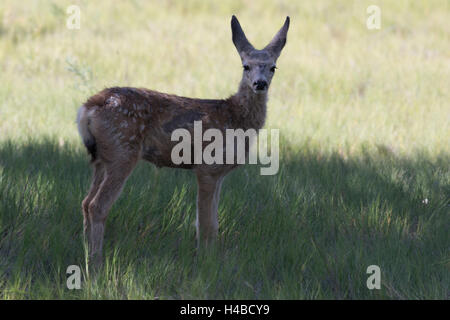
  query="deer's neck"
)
[{"x": 248, "y": 108}]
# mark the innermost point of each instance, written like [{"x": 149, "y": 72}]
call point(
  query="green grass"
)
[{"x": 364, "y": 127}]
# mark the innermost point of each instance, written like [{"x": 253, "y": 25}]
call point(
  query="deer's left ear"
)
[
  {"x": 240, "y": 41},
  {"x": 276, "y": 45}
]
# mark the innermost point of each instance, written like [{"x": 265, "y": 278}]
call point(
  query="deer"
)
[{"x": 120, "y": 126}]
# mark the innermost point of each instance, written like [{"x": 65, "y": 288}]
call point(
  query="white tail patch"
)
[{"x": 83, "y": 121}]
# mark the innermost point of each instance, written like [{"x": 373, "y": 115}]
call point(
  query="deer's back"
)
[{"x": 140, "y": 119}]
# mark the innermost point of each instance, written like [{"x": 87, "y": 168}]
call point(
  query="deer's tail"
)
[{"x": 83, "y": 121}]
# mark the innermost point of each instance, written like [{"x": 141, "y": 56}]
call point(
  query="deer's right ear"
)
[
  {"x": 239, "y": 39},
  {"x": 278, "y": 42}
]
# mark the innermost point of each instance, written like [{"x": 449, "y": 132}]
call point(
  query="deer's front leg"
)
[{"x": 207, "y": 204}]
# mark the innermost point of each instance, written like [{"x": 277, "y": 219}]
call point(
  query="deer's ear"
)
[
  {"x": 276, "y": 45},
  {"x": 239, "y": 39}
]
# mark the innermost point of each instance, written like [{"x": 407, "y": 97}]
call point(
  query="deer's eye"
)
[
  {"x": 246, "y": 67},
  {"x": 273, "y": 69}
]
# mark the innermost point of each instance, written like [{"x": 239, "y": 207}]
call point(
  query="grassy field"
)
[{"x": 365, "y": 159}]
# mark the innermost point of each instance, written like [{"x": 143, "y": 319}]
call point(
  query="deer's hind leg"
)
[
  {"x": 98, "y": 176},
  {"x": 116, "y": 174}
]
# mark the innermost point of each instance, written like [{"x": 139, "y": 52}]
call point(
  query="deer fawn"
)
[{"x": 120, "y": 126}]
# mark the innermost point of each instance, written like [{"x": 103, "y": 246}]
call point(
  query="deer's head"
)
[{"x": 259, "y": 65}]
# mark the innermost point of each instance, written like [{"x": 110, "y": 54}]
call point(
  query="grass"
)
[{"x": 364, "y": 171}]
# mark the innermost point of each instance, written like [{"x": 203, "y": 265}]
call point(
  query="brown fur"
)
[{"x": 124, "y": 125}]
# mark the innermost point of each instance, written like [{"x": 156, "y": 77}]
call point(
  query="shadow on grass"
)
[{"x": 308, "y": 232}]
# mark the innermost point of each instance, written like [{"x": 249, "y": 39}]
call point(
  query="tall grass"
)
[{"x": 364, "y": 173}]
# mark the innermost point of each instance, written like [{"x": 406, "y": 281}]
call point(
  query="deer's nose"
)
[{"x": 260, "y": 85}]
